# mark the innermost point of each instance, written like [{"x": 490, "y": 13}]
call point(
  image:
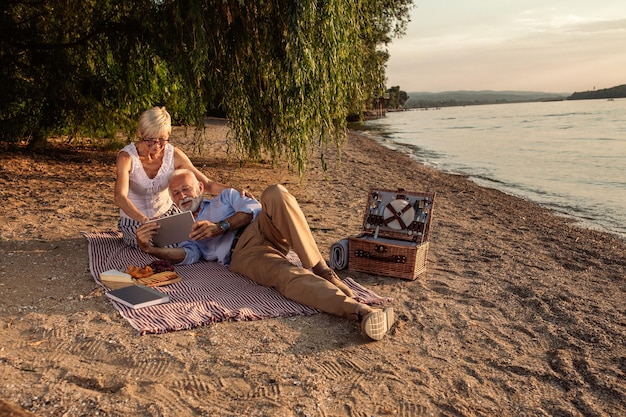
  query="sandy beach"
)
[{"x": 520, "y": 312}]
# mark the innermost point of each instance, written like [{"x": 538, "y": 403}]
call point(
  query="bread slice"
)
[{"x": 116, "y": 279}]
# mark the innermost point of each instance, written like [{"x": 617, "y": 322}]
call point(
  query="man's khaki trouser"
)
[{"x": 260, "y": 254}]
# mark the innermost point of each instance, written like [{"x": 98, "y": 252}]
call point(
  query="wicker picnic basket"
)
[{"x": 394, "y": 239}]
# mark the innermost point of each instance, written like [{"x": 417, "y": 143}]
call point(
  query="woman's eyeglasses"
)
[{"x": 153, "y": 141}]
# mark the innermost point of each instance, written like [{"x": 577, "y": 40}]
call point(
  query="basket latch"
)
[{"x": 380, "y": 248}]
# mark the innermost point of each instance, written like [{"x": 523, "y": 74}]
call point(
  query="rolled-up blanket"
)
[{"x": 339, "y": 255}]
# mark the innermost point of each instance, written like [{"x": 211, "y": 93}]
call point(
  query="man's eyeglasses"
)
[{"x": 152, "y": 141}]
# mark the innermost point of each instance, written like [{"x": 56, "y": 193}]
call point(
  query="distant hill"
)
[
  {"x": 466, "y": 98},
  {"x": 613, "y": 92}
]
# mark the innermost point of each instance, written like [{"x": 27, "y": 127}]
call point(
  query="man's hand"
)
[
  {"x": 203, "y": 229},
  {"x": 144, "y": 235}
]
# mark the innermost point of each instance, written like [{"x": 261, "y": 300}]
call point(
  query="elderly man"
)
[{"x": 254, "y": 239}]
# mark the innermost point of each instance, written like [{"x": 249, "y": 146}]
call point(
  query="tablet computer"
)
[{"x": 174, "y": 229}]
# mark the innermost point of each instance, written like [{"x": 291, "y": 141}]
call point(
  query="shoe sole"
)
[{"x": 377, "y": 323}]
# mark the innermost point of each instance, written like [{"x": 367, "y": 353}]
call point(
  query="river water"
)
[{"x": 569, "y": 156}]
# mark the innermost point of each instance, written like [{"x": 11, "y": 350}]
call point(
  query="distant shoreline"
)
[{"x": 480, "y": 97}]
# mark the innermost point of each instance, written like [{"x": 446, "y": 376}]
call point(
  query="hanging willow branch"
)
[{"x": 287, "y": 71}]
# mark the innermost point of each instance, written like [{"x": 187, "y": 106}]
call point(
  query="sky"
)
[{"x": 561, "y": 46}]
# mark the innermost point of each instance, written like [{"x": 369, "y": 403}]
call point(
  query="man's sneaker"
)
[{"x": 377, "y": 323}]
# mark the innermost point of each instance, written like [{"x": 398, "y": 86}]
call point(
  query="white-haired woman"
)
[{"x": 143, "y": 172}]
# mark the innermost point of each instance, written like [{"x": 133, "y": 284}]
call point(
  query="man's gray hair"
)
[{"x": 180, "y": 173}]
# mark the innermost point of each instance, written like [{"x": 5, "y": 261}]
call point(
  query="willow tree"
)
[
  {"x": 70, "y": 67},
  {"x": 285, "y": 72}
]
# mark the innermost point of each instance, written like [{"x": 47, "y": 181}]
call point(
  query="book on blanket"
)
[
  {"x": 138, "y": 296},
  {"x": 174, "y": 229}
]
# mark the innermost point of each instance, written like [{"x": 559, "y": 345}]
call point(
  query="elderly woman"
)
[{"x": 143, "y": 172}]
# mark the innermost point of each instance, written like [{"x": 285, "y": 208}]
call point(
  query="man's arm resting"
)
[
  {"x": 203, "y": 229},
  {"x": 174, "y": 255},
  {"x": 239, "y": 220}
]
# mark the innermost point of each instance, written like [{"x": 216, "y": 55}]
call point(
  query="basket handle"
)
[{"x": 396, "y": 259}]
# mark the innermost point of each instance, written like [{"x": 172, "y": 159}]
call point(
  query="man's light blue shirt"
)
[{"x": 217, "y": 249}]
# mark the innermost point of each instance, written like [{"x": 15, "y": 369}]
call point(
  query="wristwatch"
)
[{"x": 224, "y": 225}]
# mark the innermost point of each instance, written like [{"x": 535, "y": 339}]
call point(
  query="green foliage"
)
[
  {"x": 397, "y": 98},
  {"x": 67, "y": 68},
  {"x": 285, "y": 73},
  {"x": 300, "y": 84}
]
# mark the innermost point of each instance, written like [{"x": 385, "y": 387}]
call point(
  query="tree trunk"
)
[{"x": 39, "y": 142}]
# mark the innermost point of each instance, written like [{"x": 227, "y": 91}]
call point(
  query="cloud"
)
[
  {"x": 553, "y": 52},
  {"x": 610, "y": 26}
]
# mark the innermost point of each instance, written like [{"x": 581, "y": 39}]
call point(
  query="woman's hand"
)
[{"x": 245, "y": 193}]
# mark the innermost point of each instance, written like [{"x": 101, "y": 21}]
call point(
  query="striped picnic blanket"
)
[{"x": 208, "y": 293}]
